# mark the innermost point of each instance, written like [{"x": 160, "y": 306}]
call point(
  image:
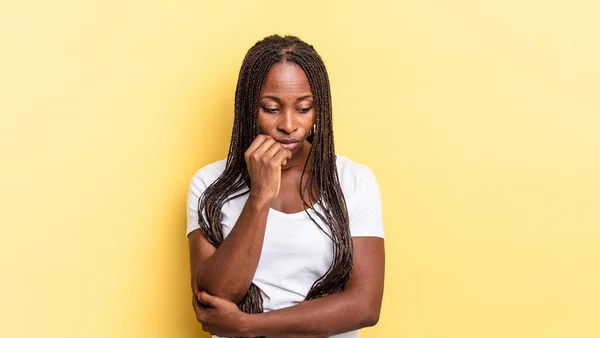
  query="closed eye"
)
[{"x": 305, "y": 110}]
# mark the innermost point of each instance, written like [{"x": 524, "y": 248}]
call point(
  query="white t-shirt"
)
[{"x": 295, "y": 251}]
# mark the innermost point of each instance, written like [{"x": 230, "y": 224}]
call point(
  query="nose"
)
[{"x": 287, "y": 122}]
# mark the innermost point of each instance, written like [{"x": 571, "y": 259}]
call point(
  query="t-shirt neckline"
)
[{"x": 302, "y": 214}]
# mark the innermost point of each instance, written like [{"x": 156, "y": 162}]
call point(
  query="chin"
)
[{"x": 298, "y": 148}]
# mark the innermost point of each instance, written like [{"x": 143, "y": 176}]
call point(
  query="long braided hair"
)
[{"x": 322, "y": 175}]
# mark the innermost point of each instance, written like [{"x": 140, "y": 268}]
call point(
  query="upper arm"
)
[
  {"x": 365, "y": 207},
  {"x": 199, "y": 247},
  {"x": 366, "y": 228}
]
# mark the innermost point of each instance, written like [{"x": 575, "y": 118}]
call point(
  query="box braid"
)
[{"x": 322, "y": 176}]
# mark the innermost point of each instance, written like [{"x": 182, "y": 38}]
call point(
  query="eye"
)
[
  {"x": 270, "y": 110},
  {"x": 305, "y": 110}
]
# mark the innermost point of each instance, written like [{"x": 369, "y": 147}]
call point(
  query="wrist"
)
[
  {"x": 249, "y": 325},
  {"x": 260, "y": 201}
]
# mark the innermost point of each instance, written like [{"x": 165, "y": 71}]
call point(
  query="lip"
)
[
  {"x": 288, "y": 144},
  {"x": 287, "y": 140}
]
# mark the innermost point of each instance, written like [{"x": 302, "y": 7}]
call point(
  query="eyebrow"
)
[{"x": 278, "y": 100}]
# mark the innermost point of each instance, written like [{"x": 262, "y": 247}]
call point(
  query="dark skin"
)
[
  {"x": 286, "y": 114},
  {"x": 275, "y": 161}
]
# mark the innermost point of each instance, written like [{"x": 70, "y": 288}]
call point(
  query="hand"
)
[
  {"x": 221, "y": 317},
  {"x": 264, "y": 159}
]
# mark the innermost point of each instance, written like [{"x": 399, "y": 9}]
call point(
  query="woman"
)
[{"x": 286, "y": 238}]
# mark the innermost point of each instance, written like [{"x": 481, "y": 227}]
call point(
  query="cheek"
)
[
  {"x": 310, "y": 120},
  {"x": 263, "y": 122},
  {"x": 267, "y": 124}
]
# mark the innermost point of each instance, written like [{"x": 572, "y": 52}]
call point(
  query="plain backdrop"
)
[{"x": 480, "y": 120}]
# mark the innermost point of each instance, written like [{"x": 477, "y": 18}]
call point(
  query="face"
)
[{"x": 286, "y": 110}]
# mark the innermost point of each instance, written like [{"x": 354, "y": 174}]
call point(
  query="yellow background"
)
[{"x": 480, "y": 119}]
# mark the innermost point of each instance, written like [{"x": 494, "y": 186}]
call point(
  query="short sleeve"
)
[
  {"x": 197, "y": 187},
  {"x": 365, "y": 213}
]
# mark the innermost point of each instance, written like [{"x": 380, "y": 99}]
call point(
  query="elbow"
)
[
  {"x": 371, "y": 315},
  {"x": 220, "y": 290},
  {"x": 232, "y": 295},
  {"x": 370, "y": 319}
]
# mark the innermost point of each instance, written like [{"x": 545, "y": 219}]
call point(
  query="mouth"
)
[{"x": 288, "y": 144}]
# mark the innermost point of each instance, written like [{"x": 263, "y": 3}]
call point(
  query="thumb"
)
[{"x": 206, "y": 299}]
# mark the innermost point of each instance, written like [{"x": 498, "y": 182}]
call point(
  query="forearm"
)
[
  {"x": 329, "y": 315},
  {"x": 229, "y": 271}
]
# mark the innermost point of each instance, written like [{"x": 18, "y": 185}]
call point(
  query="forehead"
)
[{"x": 286, "y": 78}]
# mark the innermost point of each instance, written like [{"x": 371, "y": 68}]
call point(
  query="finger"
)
[
  {"x": 273, "y": 150},
  {"x": 282, "y": 156},
  {"x": 258, "y": 141},
  {"x": 264, "y": 147},
  {"x": 195, "y": 304},
  {"x": 207, "y": 299},
  {"x": 200, "y": 313},
  {"x": 208, "y": 329},
  {"x": 201, "y": 303},
  {"x": 198, "y": 303}
]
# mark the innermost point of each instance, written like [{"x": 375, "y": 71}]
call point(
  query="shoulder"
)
[
  {"x": 206, "y": 175},
  {"x": 363, "y": 198},
  {"x": 353, "y": 174}
]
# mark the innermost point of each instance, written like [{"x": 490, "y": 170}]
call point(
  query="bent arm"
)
[
  {"x": 356, "y": 307},
  {"x": 227, "y": 272}
]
